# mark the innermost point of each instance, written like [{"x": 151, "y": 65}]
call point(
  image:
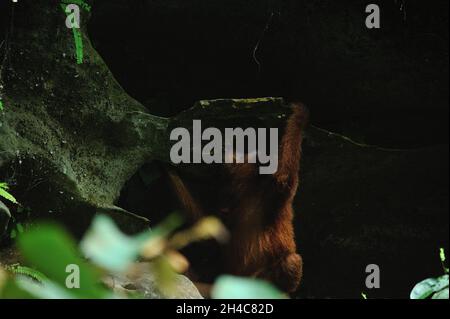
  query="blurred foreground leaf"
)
[
  {"x": 44, "y": 290},
  {"x": 50, "y": 250},
  {"x": 430, "y": 286},
  {"x": 105, "y": 245},
  {"x": 229, "y": 287},
  {"x": 111, "y": 249},
  {"x": 206, "y": 228},
  {"x": 9, "y": 289},
  {"x": 443, "y": 294}
]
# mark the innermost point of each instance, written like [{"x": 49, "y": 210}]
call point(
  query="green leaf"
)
[
  {"x": 11, "y": 290},
  {"x": 427, "y": 287},
  {"x": 164, "y": 229},
  {"x": 1, "y": 105},
  {"x": 80, "y": 3},
  {"x": 108, "y": 247},
  {"x": 45, "y": 290},
  {"x": 229, "y": 287},
  {"x": 50, "y": 250},
  {"x": 165, "y": 275},
  {"x": 442, "y": 256},
  {"x": 443, "y": 294},
  {"x": 5, "y": 194}
]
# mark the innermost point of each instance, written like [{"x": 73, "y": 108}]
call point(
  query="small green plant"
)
[
  {"x": 434, "y": 288},
  {"x": 19, "y": 270},
  {"x": 15, "y": 227},
  {"x": 5, "y": 194},
  {"x": 78, "y": 38},
  {"x": 227, "y": 287},
  {"x": 81, "y": 3}
]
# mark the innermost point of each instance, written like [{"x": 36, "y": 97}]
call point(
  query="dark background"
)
[{"x": 387, "y": 87}]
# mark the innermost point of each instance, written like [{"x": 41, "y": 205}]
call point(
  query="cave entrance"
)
[{"x": 147, "y": 193}]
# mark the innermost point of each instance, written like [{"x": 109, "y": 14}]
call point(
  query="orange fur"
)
[
  {"x": 262, "y": 241},
  {"x": 258, "y": 212}
]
